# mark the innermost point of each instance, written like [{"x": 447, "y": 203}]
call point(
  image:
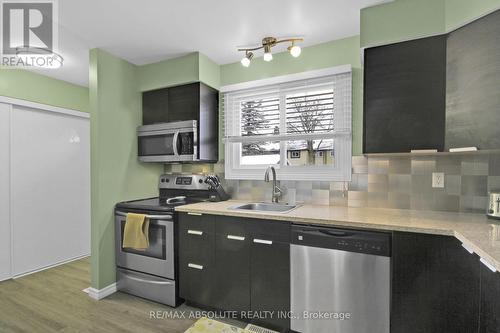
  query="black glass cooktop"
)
[{"x": 155, "y": 204}]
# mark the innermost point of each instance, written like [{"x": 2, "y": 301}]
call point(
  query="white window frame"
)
[{"x": 340, "y": 171}]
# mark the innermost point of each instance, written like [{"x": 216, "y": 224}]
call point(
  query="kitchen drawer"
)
[
  {"x": 198, "y": 256},
  {"x": 196, "y": 281},
  {"x": 146, "y": 286},
  {"x": 196, "y": 222},
  {"x": 196, "y": 243},
  {"x": 235, "y": 226},
  {"x": 276, "y": 231}
]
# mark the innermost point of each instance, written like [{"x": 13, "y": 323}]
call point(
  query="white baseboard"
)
[
  {"x": 51, "y": 266},
  {"x": 99, "y": 294}
]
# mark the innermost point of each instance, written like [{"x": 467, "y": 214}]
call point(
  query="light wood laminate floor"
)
[{"x": 53, "y": 301}]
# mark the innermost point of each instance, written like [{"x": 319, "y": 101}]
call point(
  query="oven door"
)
[{"x": 158, "y": 259}]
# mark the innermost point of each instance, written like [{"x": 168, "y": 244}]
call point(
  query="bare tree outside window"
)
[{"x": 307, "y": 114}]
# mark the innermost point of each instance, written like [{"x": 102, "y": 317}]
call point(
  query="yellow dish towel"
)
[{"x": 136, "y": 233}]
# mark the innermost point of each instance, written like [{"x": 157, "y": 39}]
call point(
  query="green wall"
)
[
  {"x": 189, "y": 68},
  {"x": 169, "y": 72},
  {"x": 117, "y": 175},
  {"x": 459, "y": 12},
  {"x": 334, "y": 53},
  {"x": 30, "y": 86},
  {"x": 401, "y": 20},
  {"x": 410, "y": 19},
  {"x": 209, "y": 71}
]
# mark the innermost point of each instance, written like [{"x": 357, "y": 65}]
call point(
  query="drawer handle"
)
[
  {"x": 195, "y": 232},
  {"x": 262, "y": 241},
  {"x": 190, "y": 265},
  {"x": 195, "y": 214},
  {"x": 148, "y": 281},
  {"x": 238, "y": 238}
]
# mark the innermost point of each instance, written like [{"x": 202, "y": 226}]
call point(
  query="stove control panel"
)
[{"x": 185, "y": 182}]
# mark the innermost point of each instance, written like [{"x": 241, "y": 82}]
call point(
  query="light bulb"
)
[
  {"x": 245, "y": 62},
  {"x": 295, "y": 51},
  {"x": 268, "y": 56},
  {"x": 247, "y": 59}
]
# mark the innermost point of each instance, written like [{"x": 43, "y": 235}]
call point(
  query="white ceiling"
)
[{"x": 152, "y": 30}]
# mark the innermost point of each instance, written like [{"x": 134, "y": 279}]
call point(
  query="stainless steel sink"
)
[{"x": 266, "y": 207}]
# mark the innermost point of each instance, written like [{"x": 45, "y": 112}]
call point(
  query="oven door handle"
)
[{"x": 151, "y": 217}]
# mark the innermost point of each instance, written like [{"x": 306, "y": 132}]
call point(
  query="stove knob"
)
[
  {"x": 200, "y": 181},
  {"x": 167, "y": 180}
]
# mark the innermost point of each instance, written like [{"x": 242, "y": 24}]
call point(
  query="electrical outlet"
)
[{"x": 438, "y": 180}]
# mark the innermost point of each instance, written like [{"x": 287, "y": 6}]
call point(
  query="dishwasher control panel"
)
[{"x": 359, "y": 241}]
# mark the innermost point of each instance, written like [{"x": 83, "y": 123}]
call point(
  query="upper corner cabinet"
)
[
  {"x": 405, "y": 96},
  {"x": 472, "y": 81},
  {"x": 180, "y": 124}
]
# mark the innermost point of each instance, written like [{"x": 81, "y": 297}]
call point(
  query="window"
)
[{"x": 300, "y": 124}]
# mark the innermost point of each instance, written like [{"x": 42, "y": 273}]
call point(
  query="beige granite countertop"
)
[{"x": 476, "y": 231}]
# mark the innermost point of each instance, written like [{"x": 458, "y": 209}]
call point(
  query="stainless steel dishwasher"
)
[{"x": 340, "y": 280}]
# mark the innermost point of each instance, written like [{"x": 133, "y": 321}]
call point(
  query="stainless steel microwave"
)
[{"x": 168, "y": 142}]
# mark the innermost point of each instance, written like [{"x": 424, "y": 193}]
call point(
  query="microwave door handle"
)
[{"x": 174, "y": 145}]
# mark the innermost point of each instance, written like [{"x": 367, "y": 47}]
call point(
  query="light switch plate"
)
[{"x": 438, "y": 179}]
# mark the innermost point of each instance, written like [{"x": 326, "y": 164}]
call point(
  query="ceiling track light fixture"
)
[{"x": 267, "y": 45}]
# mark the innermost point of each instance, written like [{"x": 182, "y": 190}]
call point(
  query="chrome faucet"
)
[{"x": 276, "y": 191}]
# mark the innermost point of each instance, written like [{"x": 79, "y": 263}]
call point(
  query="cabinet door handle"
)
[
  {"x": 195, "y": 214},
  {"x": 195, "y": 266},
  {"x": 262, "y": 241},
  {"x": 238, "y": 238},
  {"x": 195, "y": 232}
]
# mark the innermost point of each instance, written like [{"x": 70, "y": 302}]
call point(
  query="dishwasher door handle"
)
[
  {"x": 336, "y": 233},
  {"x": 322, "y": 232}
]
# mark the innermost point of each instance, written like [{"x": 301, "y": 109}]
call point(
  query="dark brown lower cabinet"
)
[
  {"x": 232, "y": 273},
  {"x": 236, "y": 264},
  {"x": 196, "y": 258},
  {"x": 435, "y": 285},
  {"x": 270, "y": 283},
  {"x": 490, "y": 301}
]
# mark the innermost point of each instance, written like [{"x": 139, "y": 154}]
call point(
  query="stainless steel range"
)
[{"x": 152, "y": 273}]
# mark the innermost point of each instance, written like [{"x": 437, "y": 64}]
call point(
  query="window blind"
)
[
  {"x": 307, "y": 108},
  {"x": 299, "y": 123}
]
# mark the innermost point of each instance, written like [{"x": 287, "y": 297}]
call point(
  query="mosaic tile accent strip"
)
[{"x": 403, "y": 182}]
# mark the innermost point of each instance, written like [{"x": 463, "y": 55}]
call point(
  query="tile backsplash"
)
[{"x": 403, "y": 182}]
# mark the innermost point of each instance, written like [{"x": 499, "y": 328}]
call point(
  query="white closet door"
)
[
  {"x": 50, "y": 188},
  {"x": 4, "y": 192}
]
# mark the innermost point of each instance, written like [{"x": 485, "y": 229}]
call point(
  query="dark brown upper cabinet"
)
[
  {"x": 405, "y": 96},
  {"x": 193, "y": 101},
  {"x": 435, "y": 93},
  {"x": 472, "y": 85}
]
